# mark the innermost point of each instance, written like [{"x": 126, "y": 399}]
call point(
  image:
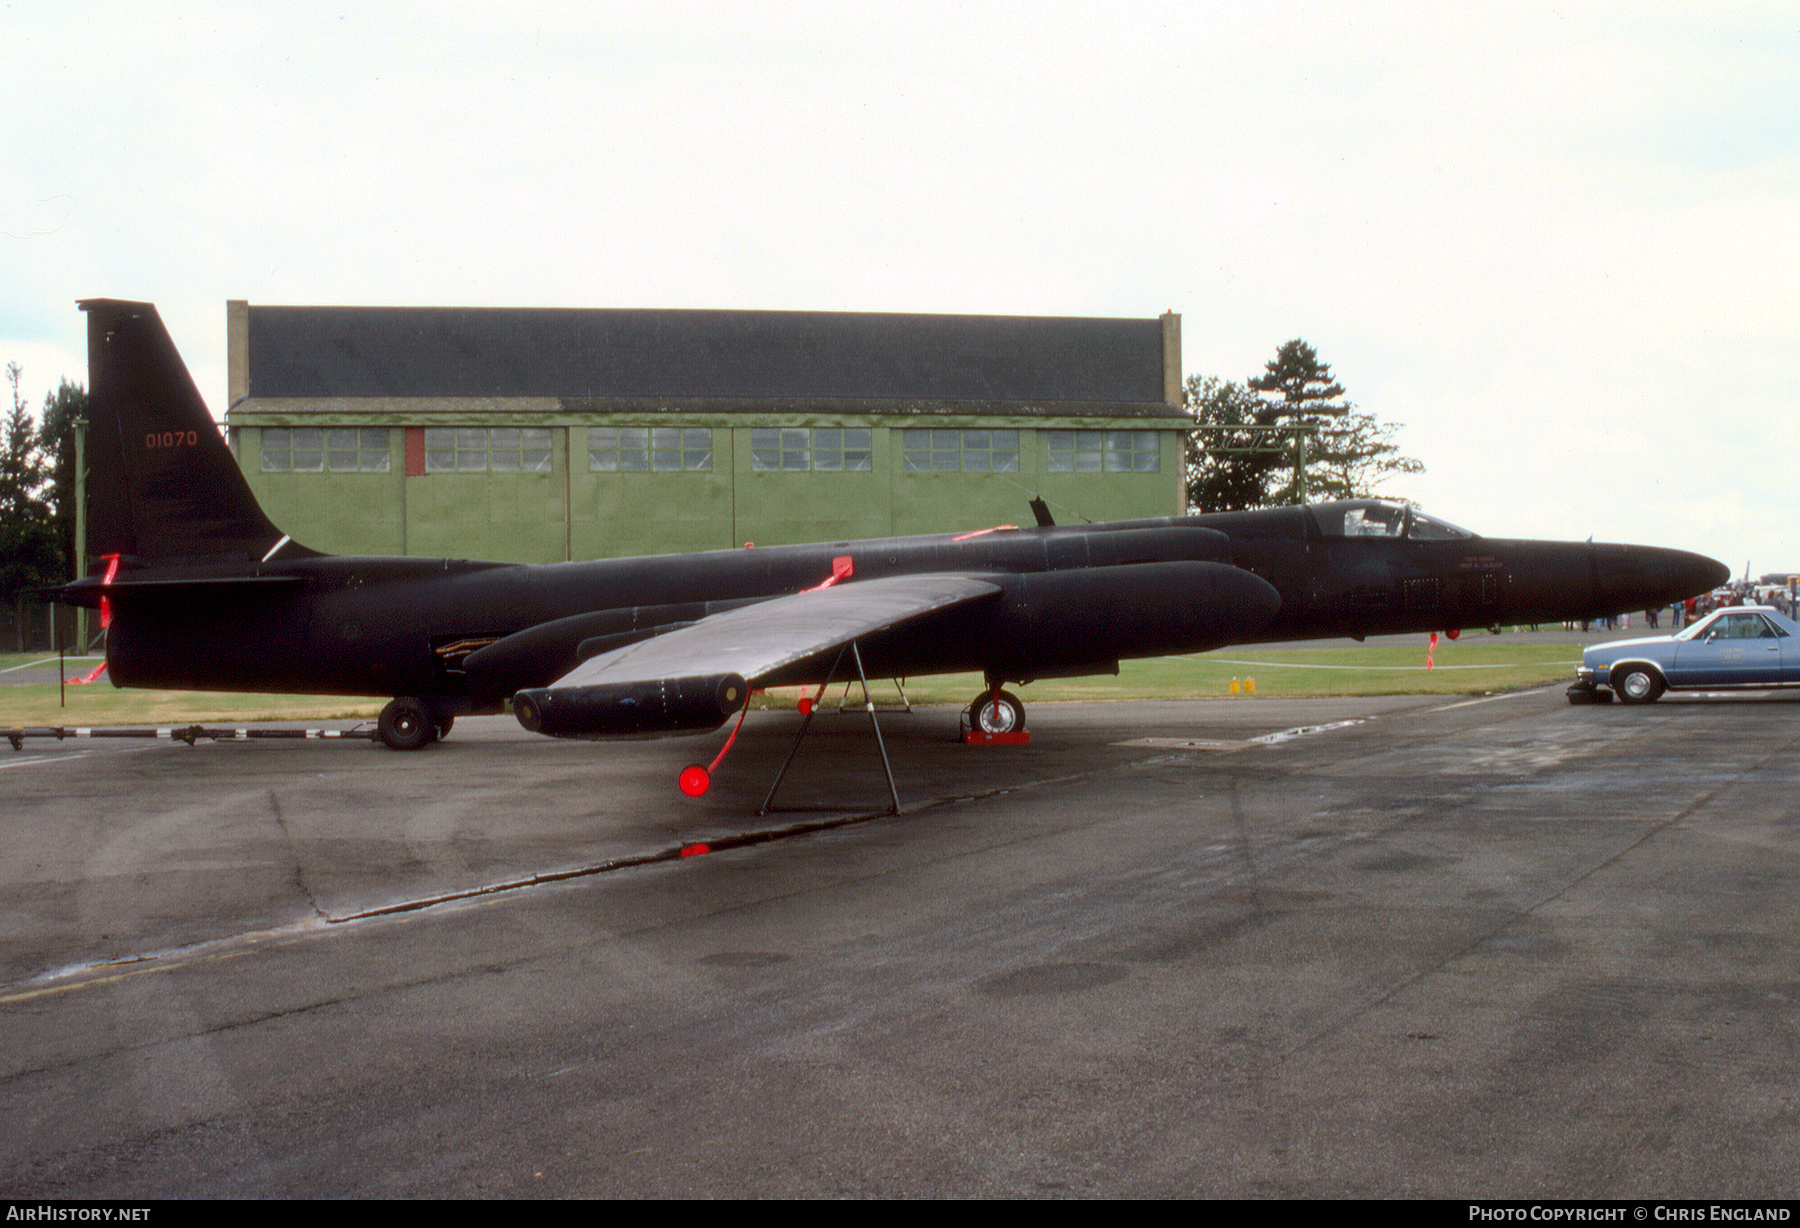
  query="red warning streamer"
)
[
  {"x": 696, "y": 780},
  {"x": 842, "y": 568},
  {"x": 112, "y": 569}
]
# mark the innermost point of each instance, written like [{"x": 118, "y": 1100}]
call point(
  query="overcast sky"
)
[{"x": 1559, "y": 243}]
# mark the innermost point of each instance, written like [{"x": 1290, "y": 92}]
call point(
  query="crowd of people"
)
[{"x": 1686, "y": 613}]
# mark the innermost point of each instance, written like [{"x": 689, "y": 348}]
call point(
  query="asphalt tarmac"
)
[{"x": 1359, "y": 947}]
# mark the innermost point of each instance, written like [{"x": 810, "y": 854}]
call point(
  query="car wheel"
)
[
  {"x": 1637, "y": 684},
  {"x": 406, "y": 724}
]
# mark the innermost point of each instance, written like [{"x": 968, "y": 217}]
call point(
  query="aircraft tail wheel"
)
[
  {"x": 406, "y": 724},
  {"x": 997, "y": 711},
  {"x": 694, "y": 780}
]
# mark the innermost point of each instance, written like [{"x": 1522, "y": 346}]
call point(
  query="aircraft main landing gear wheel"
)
[
  {"x": 406, "y": 724},
  {"x": 997, "y": 711}
]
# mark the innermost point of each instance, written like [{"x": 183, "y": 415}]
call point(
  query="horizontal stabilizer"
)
[{"x": 89, "y": 590}]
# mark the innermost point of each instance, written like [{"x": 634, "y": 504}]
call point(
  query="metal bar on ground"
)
[{"x": 184, "y": 733}]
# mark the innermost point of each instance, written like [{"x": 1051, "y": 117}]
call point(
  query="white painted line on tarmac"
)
[
  {"x": 1488, "y": 699},
  {"x": 70, "y": 757},
  {"x": 1222, "y": 744},
  {"x": 1303, "y": 731},
  {"x": 48, "y": 661},
  {"x": 1415, "y": 669}
]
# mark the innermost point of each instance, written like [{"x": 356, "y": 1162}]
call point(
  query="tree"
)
[
  {"x": 28, "y": 551},
  {"x": 56, "y": 437},
  {"x": 1303, "y": 393},
  {"x": 1356, "y": 457},
  {"x": 1298, "y": 404},
  {"x": 1229, "y": 466},
  {"x": 1306, "y": 385}
]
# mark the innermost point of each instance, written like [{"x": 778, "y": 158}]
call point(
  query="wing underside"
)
[{"x": 696, "y": 677}]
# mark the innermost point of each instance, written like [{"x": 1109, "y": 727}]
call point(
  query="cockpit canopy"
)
[{"x": 1383, "y": 518}]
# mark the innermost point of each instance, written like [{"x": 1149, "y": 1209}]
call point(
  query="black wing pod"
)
[{"x": 665, "y": 705}]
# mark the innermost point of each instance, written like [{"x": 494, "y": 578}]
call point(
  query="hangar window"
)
[
  {"x": 287, "y": 449},
  {"x": 356, "y": 450},
  {"x": 638, "y": 449},
  {"x": 1109, "y": 451},
  {"x": 310, "y": 449},
  {"x": 816, "y": 447},
  {"x": 969, "y": 451},
  {"x": 476, "y": 449}
]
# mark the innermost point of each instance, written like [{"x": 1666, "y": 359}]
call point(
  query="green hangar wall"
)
[{"x": 537, "y": 435}]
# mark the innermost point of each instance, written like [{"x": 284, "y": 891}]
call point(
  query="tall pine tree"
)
[
  {"x": 1348, "y": 453},
  {"x": 1299, "y": 390},
  {"x": 56, "y": 438},
  {"x": 28, "y": 550}
]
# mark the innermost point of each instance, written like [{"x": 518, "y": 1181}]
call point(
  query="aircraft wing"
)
[{"x": 694, "y": 678}]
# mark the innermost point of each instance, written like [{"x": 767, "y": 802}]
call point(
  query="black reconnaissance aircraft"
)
[{"x": 202, "y": 592}]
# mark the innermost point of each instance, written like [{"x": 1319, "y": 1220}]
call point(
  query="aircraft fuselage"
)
[
  {"x": 1074, "y": 599},
  {"x": 206, "y": 593}
]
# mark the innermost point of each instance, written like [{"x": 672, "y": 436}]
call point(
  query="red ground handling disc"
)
[{"x": 694, "y": 780}]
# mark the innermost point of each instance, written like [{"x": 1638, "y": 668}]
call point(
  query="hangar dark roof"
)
[{"x": 709, "y": 355}]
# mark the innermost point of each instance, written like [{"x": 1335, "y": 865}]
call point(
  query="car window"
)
[
  {"x": 1699, "y": 630},
  {"x": 1742, "y": 627}
]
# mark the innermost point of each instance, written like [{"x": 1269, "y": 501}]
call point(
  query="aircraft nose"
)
[
  {"x": 1699, "y": 573},
  {"x": 1640, "y": 577}
]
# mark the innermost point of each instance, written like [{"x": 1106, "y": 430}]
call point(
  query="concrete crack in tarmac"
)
[
  {"x": 69, "y": 977},
  {"x": 294, "y": 857},
  {"x": 58, "y": 979}
]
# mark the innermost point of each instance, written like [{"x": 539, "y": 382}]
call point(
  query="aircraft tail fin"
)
[{"x": 162, "y": 486}]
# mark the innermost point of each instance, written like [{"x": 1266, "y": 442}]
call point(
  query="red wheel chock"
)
[{"x": 974, "y": 737}]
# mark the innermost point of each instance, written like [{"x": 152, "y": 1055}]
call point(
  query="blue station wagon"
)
[{"x": 1742, "y": 646}]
